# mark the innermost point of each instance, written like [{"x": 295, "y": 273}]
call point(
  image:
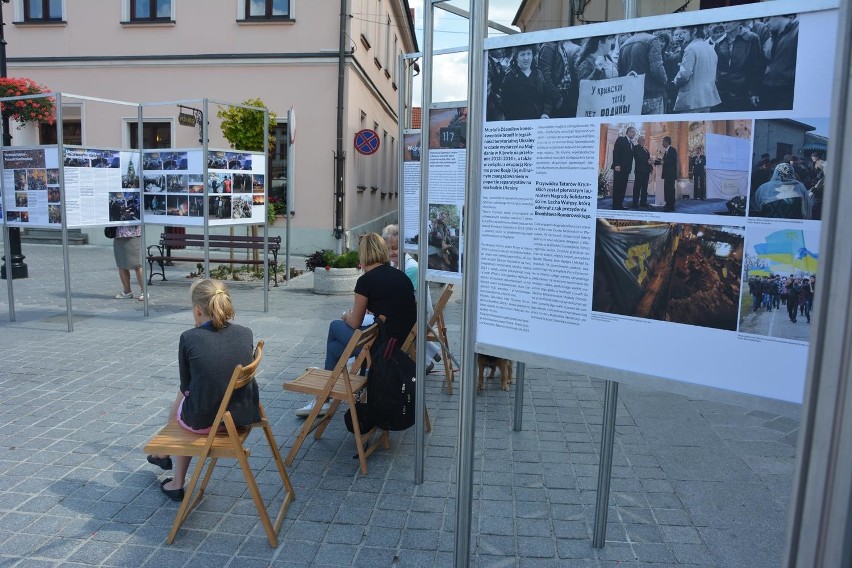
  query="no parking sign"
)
[{"x": 366, "y": 142}]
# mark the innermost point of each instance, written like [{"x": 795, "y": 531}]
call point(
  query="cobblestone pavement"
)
[{"x": 696, "y": 483}]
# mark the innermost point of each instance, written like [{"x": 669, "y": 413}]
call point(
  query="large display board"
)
[
  {"x": 173, "y": 182},
  {"x": 447, "y": 162},
  {"x": 651, "y": 194}
]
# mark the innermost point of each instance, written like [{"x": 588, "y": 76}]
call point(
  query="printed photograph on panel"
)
[
  {"x": 52, "y": 176},
  {"x": 411, "y": 147},
  {"x": 257, "y": 183},
  {"x": 54, "y": 214},
  {"x": 152, "y": 161},
  {"x": 196, "y": 206},
  {"x": 258, "y": 199},
  {"x": 20, "y": 177},
  {"x": 781, "y": 267},
  {"x": 699, "y": 167},
  {"x": 238, "y": 161},
  {"x": 788, "y": 168},
  {"x": 177, "y": 183},
  {"x": 220, "y": 207},
  {"x": 195, "y": 183},
  {"x": 214, "y": 182},
  {"x": 175, "y": 160},
  {"x": 735, "y": 66},
  {"x": 21, "y": 199},
  {"x": 23, "y": 159},
  {"x": 123, "y": 206},
  {"x": 676, "y": 272},
  {"x": 105, "y": 159},
  {"x": 216, "y": 159},
  {"x": 155, "y": 184},
  {"x": 241, "y": 207},
  {"x": 53, "y": 195},
  {"x": 448, "y": 128},
  {"x": 155, "y": 204},
  {"x": 37, "y": 180},
  {"x": 130, "y": 179},
  {"x": 444, "y": 231},
  {"x": 177, "y": 205},
  {"x": 242, "y": 183}
]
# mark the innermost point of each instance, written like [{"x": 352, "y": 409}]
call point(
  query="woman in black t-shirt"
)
[{"x": 383, "y": 291}]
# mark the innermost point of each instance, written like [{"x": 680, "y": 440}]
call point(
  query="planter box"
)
[{"x": 335, "y": 280}]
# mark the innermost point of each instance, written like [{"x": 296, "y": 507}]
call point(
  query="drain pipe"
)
[{"x": 339, "y": 157}]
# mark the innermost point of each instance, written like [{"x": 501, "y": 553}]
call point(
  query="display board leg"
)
[
  {"x": 605, "y": 467},
  {"x": 9, "y": 286},
  {"x": 519, "y": 397}
]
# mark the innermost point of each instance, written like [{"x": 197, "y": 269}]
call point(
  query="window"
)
[
  {"x": 72, "y": 132},
  {"x": 387, "y": 47},
  {"x": 154, "y": 135},
  {"x": 278, "y": 164},
  {"x": 150, "y": 10},
  {"x": 267, "y": 9},
  {"x": 42, "y": 10}
]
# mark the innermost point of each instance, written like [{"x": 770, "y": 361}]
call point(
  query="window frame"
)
[
  {"x": 24, "y": 6},
  {"x": 131, "y": 138},
  {"x": 246, "y": 16},
  {"x": 153, "y": 11}
]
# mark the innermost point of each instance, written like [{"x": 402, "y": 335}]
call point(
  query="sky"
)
[{"x": 449, "y": 77}]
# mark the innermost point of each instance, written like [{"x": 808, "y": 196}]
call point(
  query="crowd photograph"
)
[
  {"x": 444, "y": 237},
  {"x": 735, "y": 66},
  {"x": 788, "y": 173},
  {"x": 780, "y": 272}
]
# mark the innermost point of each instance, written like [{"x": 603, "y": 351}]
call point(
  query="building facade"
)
[{"x": 283, "y": 52}]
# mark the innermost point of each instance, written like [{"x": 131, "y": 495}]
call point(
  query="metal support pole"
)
[
  {"x": 423, "y": 254},
  {"x": 288, "y": 193},
  {"x": 66, "y": 262},
  {"x": 470, "y": 270},
  {"x": 140, "y": 139},
  {"x": 339, "y": 189},
  {"x": 9, "y": 287},
  {"x": 13, "y": 234},
  {"x": 605, "y": 467},
  {"x": 519, "y": 397},
  {"x": 266, "y": 219},
  {"x": 205, "y": 159}
]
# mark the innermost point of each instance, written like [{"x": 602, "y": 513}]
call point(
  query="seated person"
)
[
  {"x": 383, "y": 291},
  {"x": 391, "y": 236},
  {"x": 207, "y": 356}
]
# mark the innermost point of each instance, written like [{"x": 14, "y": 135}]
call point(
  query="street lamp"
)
[{"x": 19, "y": 268}]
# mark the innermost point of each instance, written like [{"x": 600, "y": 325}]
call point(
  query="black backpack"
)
[{"x": 390, "y": 385}]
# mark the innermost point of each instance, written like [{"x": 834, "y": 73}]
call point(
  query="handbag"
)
[{"x": 109, "y": 232}]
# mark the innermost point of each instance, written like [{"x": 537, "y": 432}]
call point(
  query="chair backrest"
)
[
  {"x": 361, "y": 339},
  {"x": 242, "y": 376},
  {"x": 408, "y": 345}
]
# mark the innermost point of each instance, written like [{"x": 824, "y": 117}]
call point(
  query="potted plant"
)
[
  {"x": 334, "y": 273},
  {"x": 27, "y": 111}
]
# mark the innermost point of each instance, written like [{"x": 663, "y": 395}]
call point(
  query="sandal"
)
[{"x": 123, "y": 296}]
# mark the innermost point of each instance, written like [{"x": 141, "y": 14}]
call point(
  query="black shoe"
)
[
  {"x": 162, "y": 463},
  {"x": 173, "y": 494}
]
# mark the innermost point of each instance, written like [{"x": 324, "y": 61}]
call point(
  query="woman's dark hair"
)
[
  {"x": 516, "y": 50},
  {"x": 590, "y": 45}
]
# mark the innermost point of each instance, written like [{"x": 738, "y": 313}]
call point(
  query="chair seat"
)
[
  {"x": 315, "y": 381},
  {"x": 173, "y": 439}
]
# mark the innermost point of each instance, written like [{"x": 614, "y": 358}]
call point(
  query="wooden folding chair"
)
[
  {"x": 436, "y": 331},
  {"x": 340, "y": 385},
  {"x": 174, "y": 440}
]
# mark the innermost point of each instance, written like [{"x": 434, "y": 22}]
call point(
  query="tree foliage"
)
[{"x": 243, "y": 128}]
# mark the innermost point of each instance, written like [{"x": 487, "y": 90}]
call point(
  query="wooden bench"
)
[{"x": 161, "y": 254}]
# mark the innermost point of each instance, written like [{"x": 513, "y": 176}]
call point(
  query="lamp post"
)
[{"x": 19, "y": 268}]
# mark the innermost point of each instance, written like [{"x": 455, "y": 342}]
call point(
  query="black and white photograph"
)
[
  {"x": 241, "y": 207},
  {"x": 735, "y": 66},
  {"x": 698, "y": 167},
  {"x": 788, "y": 168}
]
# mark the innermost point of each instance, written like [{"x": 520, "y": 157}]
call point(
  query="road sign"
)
[{"x": 366, "y": 142}]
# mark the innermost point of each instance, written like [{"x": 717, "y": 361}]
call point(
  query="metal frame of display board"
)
[
  {"x": 60, "y": 151},
  {"x": 466, "y": 428},
  {"x": 205, "y": 107}
]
